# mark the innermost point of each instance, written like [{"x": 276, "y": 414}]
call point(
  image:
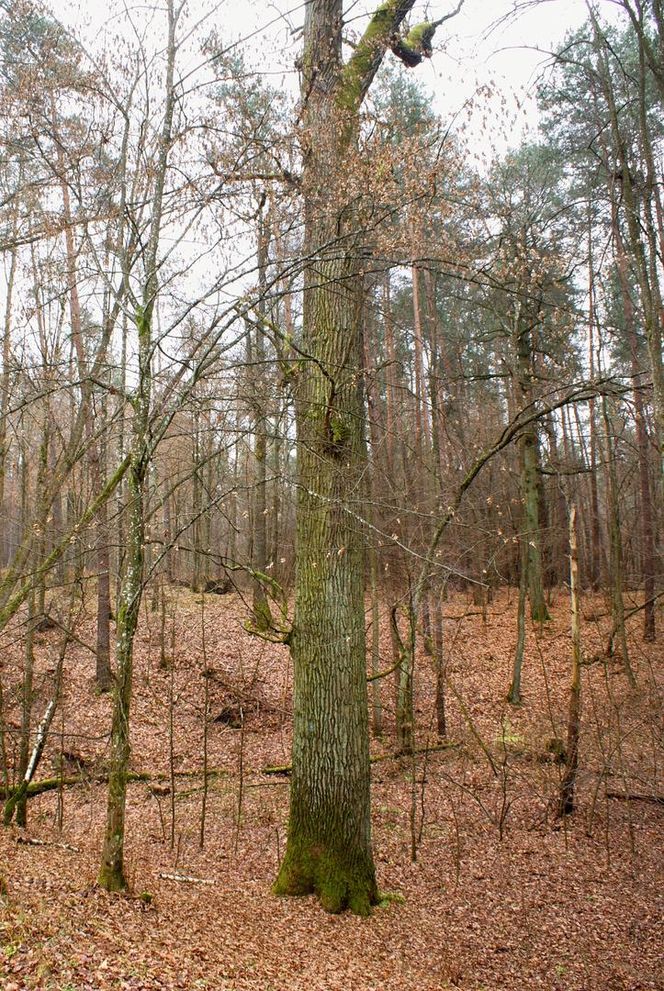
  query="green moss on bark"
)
[{"x": 339, "y": 884}]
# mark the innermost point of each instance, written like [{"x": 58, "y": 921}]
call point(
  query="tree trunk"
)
[
  {"x": 530, "y": 463},
  {"x": 111, "y": 874},
  {"x": 261, "y": 613},
  {"x": 514, "y": 694},
  {"x": 329, "y": 839},
  {"x": 616, "y": 547},
  {"x": 568, "y": 782}
]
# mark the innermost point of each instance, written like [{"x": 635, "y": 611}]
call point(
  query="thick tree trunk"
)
[
  {"x": 329, "y": 844},
  {"x": 329, "y": 840}
]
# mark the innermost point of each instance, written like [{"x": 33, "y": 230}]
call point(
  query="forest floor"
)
[{"x": 501, "y": 895}]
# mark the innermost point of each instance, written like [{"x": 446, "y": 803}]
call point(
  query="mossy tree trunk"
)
[{"x": 329, "y": 839}]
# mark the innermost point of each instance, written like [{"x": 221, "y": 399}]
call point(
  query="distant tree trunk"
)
[
  {"x": 390, "y": 388},
  {"x": 422, "y": 430},
  {"x": 405, "y": 654},
  {"x": 596, "y": 539},
  {"x": 371, "y": 489},
  {"x": 568, "y": 781},
  {"x": 530, "y": 465},
  {"x": 439, "y": 662},
  {"x": 5, "y": 383},
  {"x": 26, "y": 707},
  {"x": 514, "y": 694},
  {"x": 261, "y": 613},
  {"x": 640, "y": 233},
  {"x": 104, "y": 676},
  {"x": 197, "y": 576},
  {"x": 376, "y": 704},
  {"x": 647, "y": 530},
  {"x": 616, "y": 547}
]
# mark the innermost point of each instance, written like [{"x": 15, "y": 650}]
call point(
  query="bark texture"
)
[{"x": 329, "y": 841}]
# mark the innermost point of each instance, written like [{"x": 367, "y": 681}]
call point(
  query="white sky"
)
[{"x": 473, "y": 50}]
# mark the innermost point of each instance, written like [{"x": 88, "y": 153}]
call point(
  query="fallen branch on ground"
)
[
  {"x": 286, "y": 769},
  {"x": 628, "y": 796},
  {"x": 29, "y": 841},
  {"x": 51, "y": 784},
  {"x": 185, "y": 879}
]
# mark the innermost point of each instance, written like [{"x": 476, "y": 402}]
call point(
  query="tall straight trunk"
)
[
  {"x": 112, "y": 874},
  {"x": 329, "y": 839},
  {"x": 376, "y": 702},
  {"x": 390, "y": 378},
  {"x": 568, "y": 781},
  {"x": 371, "y": 512},
  {"x": 422, "y": 429},
  {"x": 197, "y": 577},
  {"x": 26, "y": 706},
  {"x": 404, "y": 657},
  {"x": 103, "y": 669},
  {"x": 104, "y": 676}
]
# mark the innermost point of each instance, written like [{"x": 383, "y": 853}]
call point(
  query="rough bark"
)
[{"x": 329, "y": 840}]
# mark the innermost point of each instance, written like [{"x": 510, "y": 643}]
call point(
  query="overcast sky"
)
[{"x": 479, "y": 47}]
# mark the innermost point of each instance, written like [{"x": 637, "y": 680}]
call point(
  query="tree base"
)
[
  {"x": 338, "y": 883},
  {"x": 112, "y": 881}
]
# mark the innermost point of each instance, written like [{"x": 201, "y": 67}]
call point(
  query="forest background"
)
[{"x": 331, "y": 430}]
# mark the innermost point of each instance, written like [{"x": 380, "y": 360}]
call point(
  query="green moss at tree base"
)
[
  {"x": 310, "y": 869},
  {"x": 540, "y": 614},
  {"x": 112, "y": 880}
]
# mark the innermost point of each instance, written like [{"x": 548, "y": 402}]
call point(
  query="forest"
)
[{"x": 331, "y": 497}]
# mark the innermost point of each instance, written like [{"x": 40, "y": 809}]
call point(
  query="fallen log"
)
[
  {"x": 185, "y": 878},
  {"x": 285, "y": 769},
  {"x": 632, "y": 796},
  {"x": 52, "y": 784},
  {"x": 31, "y": 841}
]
